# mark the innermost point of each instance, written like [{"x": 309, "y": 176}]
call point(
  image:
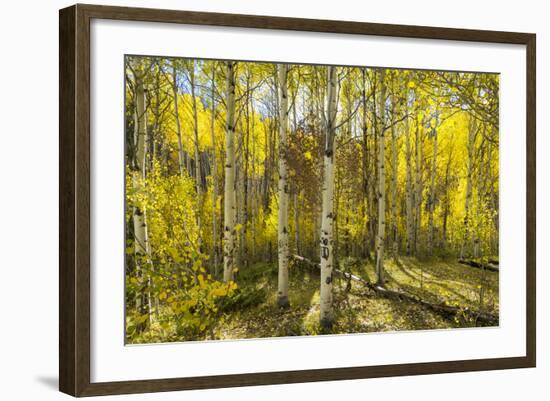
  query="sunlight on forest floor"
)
[{"x": 360, "y": 310}]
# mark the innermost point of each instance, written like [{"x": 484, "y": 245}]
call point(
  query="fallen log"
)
[
  {"x": 442, "y": 307},
  {"x": 478, "y": 265}
]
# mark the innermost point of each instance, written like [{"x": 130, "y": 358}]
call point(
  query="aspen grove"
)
[{"x": 267, "y": 199}]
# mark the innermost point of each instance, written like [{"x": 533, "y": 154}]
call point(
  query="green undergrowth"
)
[{"x": 252, "y": 312}]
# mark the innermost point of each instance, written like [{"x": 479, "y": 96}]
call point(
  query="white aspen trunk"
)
[
  {"x": 254, "y": 185},
  {"x": 282, "y": 231},
  {"x": 188, "y": 163},
  {"x": 491, "y": 201},
  {"x": 198, "y": 180},
  {"x": 418, "y": 186},
  {"x": 327, "y": 213},
  {"x": 408, "y": 189},
  {"x": 181, "y": 155},
  {"x": 373, "y": 193},
  {"x": 141, "y": 246},
  {"x": 468, "y": 201},
  {"x": 144, "y": 164},
  {"x": 447, "y": 205},
  {"x": 432, "y": 194},
  {"x": 315, "y": 223},
  {"x": 253, "y": 215},
  {"x": 229, "y": 233},
  {"x": 395, "y": 170},
  {"x": 365, "y": 166},
  {"x": 239, "y": 204},
  {"x": 245, "y": 178},
  {"x": 139, "y": 170},
  {"x": 335, "y": 230},
  {"x": 381, "y": 184},
  {"x": 481, "y": 191},
  {"x": 214, "y": 176},
  {"x": 297, "y": 221},
  {"x": 296, "y": 189}
]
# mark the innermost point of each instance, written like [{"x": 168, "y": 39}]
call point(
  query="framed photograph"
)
[{"x": 249, "y": 200}]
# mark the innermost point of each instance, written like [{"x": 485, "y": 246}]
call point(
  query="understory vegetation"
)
[{"x": 252, "y": 312}]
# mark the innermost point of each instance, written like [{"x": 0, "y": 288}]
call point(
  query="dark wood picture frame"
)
[{"x": 74, "y": 199}]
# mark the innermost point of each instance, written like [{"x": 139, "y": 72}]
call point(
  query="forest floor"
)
[{"x": 358, "y": 309}]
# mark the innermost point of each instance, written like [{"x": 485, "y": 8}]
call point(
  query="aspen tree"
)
[
  {"x": 296, "y": 196},
  {"x": 432, "y": 186},
  {"x": 141, "y": 243},
  {"x": 419, "y": 183},
  {"x": 447, "y": 202},
  {"x": 380, "y": 238},
  {"x": 395, "y": 168},
  {"x": 409, "y": 183},
  {"x": 214, "y": 172},
  {"x": 282, "y": 231},
  {"x": 244, "y": 182},
  {"x": 467, "y": 206},
  {"x": 229, "y": 190},
  {"x": 365, "y": 162},
  {"x": 198, "y": 180},
  {"x": 254, "y": 183},
  {"x": 327, "y": 213},
  {"x": 181, "y": 155}
]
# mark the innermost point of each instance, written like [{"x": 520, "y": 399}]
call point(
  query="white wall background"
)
[{"x": 29, "y": 185}]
